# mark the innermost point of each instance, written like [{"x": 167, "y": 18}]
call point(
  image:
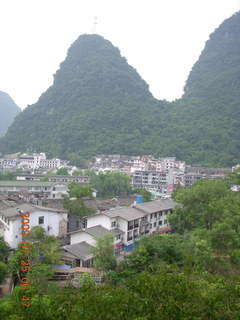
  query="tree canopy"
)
[{"x": 74, "y": 201}]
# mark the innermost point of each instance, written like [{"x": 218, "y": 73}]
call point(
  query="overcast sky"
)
[{"x": 162, "y": 39}]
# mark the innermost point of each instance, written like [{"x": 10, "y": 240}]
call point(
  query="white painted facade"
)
[
  {"x": 81, "y": 236},
  {"x": 127, "y": 224},
  {"x": 55, "y": 224},
  {"x": 110, "y": 224}
]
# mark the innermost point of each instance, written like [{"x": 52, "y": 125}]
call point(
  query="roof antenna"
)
[{"x": 94, "y": 25}]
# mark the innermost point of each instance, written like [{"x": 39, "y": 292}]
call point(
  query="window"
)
[
  {"x": 41, "y": 220},
  {"x": 165, "y": 221},
  {"x": 151, "y": 226},
  {"x": 155, "y": 224},
  {"x": 130, "y": 225},
  {"x": 136, "y": 223},
  {"x": 129, "y": 236},
  {"x": 155, "y": 215},
  {"x": 160, "y": 223},
  {"x": 118, "y": 237},
  {"x": 113, "y": 224},
  {"x": 151, "y": 216}
]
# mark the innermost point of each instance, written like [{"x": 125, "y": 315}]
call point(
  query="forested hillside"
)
[
  {"x": 8, "y": 111},
  {"x": 100, "y": 104}
]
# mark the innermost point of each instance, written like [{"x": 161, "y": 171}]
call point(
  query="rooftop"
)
[
  {"x": 155, "y": 206},
  {"x": 80, "y": 250},
  {"x": 98, "y": 231},
  {"x": 13, "y": 211},
  {"x": 25, "y": 183},
  {"x": 128, "y": 214}
]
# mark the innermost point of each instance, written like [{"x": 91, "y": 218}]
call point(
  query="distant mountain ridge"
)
[
  {"x": 100, "y": 104},
  {"x": 8, "y": 111}
]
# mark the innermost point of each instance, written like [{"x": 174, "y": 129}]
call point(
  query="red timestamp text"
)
[{"x": 25, "y": 264}]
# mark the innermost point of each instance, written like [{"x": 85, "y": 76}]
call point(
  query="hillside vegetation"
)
[{"x": 100, "y": 104}]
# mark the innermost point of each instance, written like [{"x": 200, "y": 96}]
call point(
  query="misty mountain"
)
[
  {"x": 8, "y": 111},
  {"x": 98, "y": 103}
]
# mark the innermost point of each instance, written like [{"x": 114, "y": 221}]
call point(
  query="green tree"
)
[
  {"x": 74, "y": 202},
  {"x": 199, "y": 204},
  {"x": 4, "y": 250},
  {"x": 62, "y": 171},
  {"x": 48, "y": 247},
  {"x": 104, "y": 252},
  {"x": 44, "y": 179},
  {"x": 143, "y": 192},
  {"x": 112, "y": 184},
  {"x": 77, "y": 160},
  {"x": 223, "y": 237},
  {"x": 234, "y": 177},
  {"x": 8, "y": 176},
  {"x": 3, "y": 272},
  {"x": 202, "y": 255}
]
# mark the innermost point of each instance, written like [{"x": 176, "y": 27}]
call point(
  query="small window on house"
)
[
  {"x": 113, "y": 224},
  {"x": 41, "y": 220},
  {"x": 155, "y": 224},
  {"x": 165, "y": 221},
  {"x": 160, "y": 223},
  {"x": 151, "y": 226},
  {"x": 118, "y": 236},
  {"x": 155, "y": 215}
]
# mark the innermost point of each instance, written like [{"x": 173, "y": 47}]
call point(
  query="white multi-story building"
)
[
  {"x": 39, "y": 160},
  {"x": 153, "y": 180},
  {"x": 7, "y": 164},
  {"x": 32, "y": 161},
  {"x": 126, "y": 224}
]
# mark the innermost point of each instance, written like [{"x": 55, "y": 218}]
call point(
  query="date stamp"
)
[{"x": 25, "y": 264}]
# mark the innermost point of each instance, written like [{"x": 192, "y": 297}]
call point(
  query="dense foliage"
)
[
  {"x": 188, "y": 275},
  {"x": 111, "y": 184},
  {"x": 99, "y": 104},
  {"x": 74, "y": 201}
]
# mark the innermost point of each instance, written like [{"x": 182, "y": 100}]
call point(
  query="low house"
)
[
  {"x": 78, "y": 255},
  {"x": 89, "y": 234},
  {"x": 53, "y": 221}
]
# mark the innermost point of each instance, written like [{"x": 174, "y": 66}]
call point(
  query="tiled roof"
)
[
  {"x": 13, "y": 212},
  {"x": 24, "y": 183},
  {"x": 155, "y": 206},
  {"x": 128, "y": 214},
  {"x": 80, "y": 250}
]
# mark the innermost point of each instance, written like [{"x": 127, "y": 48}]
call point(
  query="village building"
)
[{"x": 53, "y": 221}]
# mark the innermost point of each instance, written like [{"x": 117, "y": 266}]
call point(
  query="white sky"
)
[{"x": 162, "y": 39}]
